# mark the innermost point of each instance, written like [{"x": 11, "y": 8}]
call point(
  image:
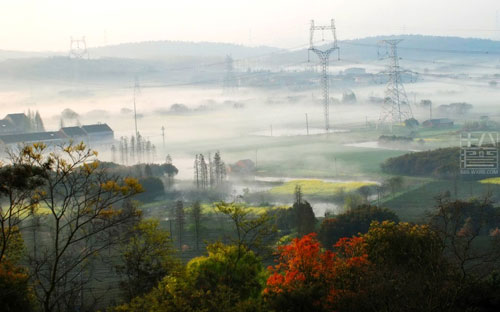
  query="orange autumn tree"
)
[
  {"x": 393, "y": 267},
  {"x": 309, "y": 278},
  {"x": 15, "y": 291}
]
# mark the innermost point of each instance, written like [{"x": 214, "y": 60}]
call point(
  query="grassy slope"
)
[{"x": 412, "y": 205}]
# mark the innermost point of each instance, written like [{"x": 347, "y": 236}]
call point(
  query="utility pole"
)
[
  {"x": 230, "y": 82},
  {"x": 137, "y": 91},
  {"x": 271, "y": 129},
  {"x": 307, "y": 125},
  {"x": 163, "y": 135},
  {"x": 430, "y": 110},
  {"x": 324, "y": 56},
  {"x": 256, "y": 151},
  {"x": 396, "y": 108}
]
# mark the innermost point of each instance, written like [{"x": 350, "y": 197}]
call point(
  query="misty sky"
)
[{"x": 48, "y": 24}]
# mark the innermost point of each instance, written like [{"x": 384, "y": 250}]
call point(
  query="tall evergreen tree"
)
[
  {"x": 132, "y": 148},
  {"x": 196, "y": 168},
  {"x": 39, "y": 122},
  {"x": 217, "y": 167},
  {"x": 305, "y": 221},
  {"x": 180, "y": 220},
  {"x": 113, "y": 153},
  {"x": 203, "y": 172},
  {"x": 210, "y": 171},
  {"x": 122, "y": 150},
  {"x": 125, "y": 150},
  {"x": 139, "y": 147},
  {"x": 148, "y": 150}
]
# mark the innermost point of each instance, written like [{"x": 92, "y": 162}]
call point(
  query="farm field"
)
[{"x": 318, "y": 187}]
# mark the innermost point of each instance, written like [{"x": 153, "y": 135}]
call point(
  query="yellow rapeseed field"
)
[
  {"x": 318, "y": 187},
  {"x": 491, "y": 181}
]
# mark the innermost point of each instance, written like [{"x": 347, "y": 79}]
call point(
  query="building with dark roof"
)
[
  {"x": 6, "y": 127},
  {"x": 77, "y": 134},
  {"x": 51, "y": 137},
  {"x": 20, "y": 121},
  {"x": 15, "y": 129},
  {"x": 99, "y": 133}
]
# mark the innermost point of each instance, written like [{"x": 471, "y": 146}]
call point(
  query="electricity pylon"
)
[
  {"x": 78, "y": 49},
  {"x": 324, "y": 56},
  {"x": 396, "y": 108}
]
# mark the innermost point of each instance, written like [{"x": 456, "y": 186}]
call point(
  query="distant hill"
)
[
  {"x": 412, "y": 46},
  {"x": 420, "y": 45},
  {"x": 198, "y": 61},
  {"x": 5, "y": 54},
  {"x": 167, "y": 49}
]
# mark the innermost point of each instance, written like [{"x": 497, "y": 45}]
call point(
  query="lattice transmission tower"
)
[
  {"x": 230, "y": 82},
  {"x": 324, "y": 57},
  {"x": 78, "y": 49},
  {"x": 396, "y": 107}
]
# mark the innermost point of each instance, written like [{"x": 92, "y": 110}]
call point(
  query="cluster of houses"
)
[{"x": 16, "y": 129}]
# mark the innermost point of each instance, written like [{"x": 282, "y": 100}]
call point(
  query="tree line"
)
[
  {"x": 137, "y": 149},
  {"x": 440, "y": 163},
  {"x": 209, "y": 172}
]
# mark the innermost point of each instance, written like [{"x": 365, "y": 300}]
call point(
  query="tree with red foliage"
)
[
  {"x": 394, "y": 267},
  {"x": 15, "y": 291},
  {"x": 308, "y": 278}
]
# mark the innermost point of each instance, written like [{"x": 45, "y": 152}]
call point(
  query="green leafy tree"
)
[
  {"x": 196, "y": 215},
  {"x": 352, "y": 200},
  {"x": 352, "y": 222},
  {"x": 305, "y": 221},
  {"x": 304, "y": 218},
  {"x": 153, "y": 188},
  {"x": 180, "y": 220},
  {"x": 365, "y": 191},
  {"x": 84, "y": 218},
  {"x": 469, "y": 230},
  {"x": 394, "y": 184},
  {"x": 227, "y": 270},
  {"x": 19, "y": 182},
  {"x": 393, "y": 267},
  {"x": 147, "y": 257},
  {"x": 410, "y": 271},
  {"x": 252, "y": 232},
  {"x": 225, "y": 280}
]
